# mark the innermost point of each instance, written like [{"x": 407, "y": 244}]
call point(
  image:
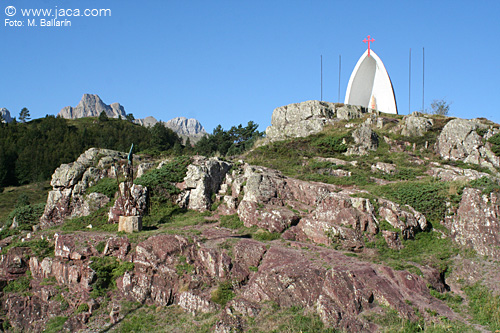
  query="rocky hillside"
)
[
  {"x": 92, "y": 106},
  {"x": 5, "y": 114},
  {"x": 341, "y": 220}
]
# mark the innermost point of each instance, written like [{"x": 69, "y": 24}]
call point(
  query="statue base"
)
[{"x": 130, "y": 224}]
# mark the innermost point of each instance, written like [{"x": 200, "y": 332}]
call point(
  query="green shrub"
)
[
  {"x": 146, "y": 322},
  {"x": 264, "y": 235},
  {"x": 106, "y": 186},
  {"x": 495, "y": 142},
  {"x": 330, "y": 143},
  {"x": 427, "y": 198},
  {"x": 450, "y": 298},
  {"x": 231, "y": 221},
  {"x": 100, "y": 247},
  {"x": 428, "y": 248},
  {"x": 486, "y": 184},
  {"x": 223, "y": 294},
  {"x": 19, "y": 285},
  {"x": 84, "y": 307},
  {"x": 40, "y": 247},
  {"x": 55, "y": 324},
  {"x": 302, "y": 322},
  {"x": 27, "y": 216},
  {"x": 107, "y": 269},
  {"x": 163, "y": 179}
]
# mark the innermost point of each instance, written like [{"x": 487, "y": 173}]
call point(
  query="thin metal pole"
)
[
  {"x": 423, "y": 78},
  {"x": 409, "y": 84},
  {"x": 340, "y": 63},
  {"x": 321, "y": 77}
]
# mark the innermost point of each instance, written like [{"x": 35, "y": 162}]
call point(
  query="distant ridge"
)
[
  {"x": 92, "y": 106},
  {"x": 186, "y": 128}
]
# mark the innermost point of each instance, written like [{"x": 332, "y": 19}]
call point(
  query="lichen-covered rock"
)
[
  {"x": 459, "y": 141},
  {"x": 143, "y": 168},
  {"x": 365, "y": 140},
  {"x": 415, "y": 124},
  {"x": 348, "y": 112},
  {"x": 384, "y": 167},
  {"x": 300, "y": 119},
  {"x": 447, "y": 173},
  {"x": 195, "y": 304},
  {"x": 203, "y": 179},
  {"x": 476, "y": 222},
  {"x": 90, "y": 204},
  {"x": 69, "y": 183},
  {"x": 408, "y": 220}
]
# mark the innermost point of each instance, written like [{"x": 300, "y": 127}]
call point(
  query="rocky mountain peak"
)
[
  {"x": 5, "y": 115},
  {"x": 91, "y": 106},
  {"x": 184, "y": 126}
]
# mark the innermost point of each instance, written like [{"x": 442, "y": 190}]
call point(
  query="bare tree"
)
[{"x": 440, "y": 107}]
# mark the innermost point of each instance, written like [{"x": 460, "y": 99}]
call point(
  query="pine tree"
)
[{"x": 24, "y": 115}]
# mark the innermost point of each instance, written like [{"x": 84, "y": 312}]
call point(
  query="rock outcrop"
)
[
  {"x": 365, "y": 140},
  {"x": 449, "y": 173},
  {"x": 460, "y": 141},
  {"x": 415, "y": 124},
  {"x": 303, "y": 119},
  {"x": 5, "y": 115},
  {"x": 476, "y": 222},
  {"x": 203, "y": 180},
  {"x": 70, "y": 181},
  {"x": 92, "y": 106},
  {"x": 336, "y": 287}
]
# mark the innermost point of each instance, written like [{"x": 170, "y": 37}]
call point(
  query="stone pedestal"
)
[{"x": 130, "y": 223}]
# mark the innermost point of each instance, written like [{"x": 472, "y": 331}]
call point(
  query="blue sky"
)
[{"x": 228, "y": 62}]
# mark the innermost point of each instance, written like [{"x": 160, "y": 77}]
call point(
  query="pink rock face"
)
[
  {"x": 338, "y": 287},
  {"x": 14, "y": 263},
  {"x": 476, "y": 223},
  {"x": 272, "y": 218}
]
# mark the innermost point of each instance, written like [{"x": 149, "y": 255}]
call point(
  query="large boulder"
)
[
  {"x": 415, "y": 124},
  {"x": 459, "y": 141},
  {"x": 70, "y": 181},
  {"x": 365, "y": 141},
  {"x": 407, "y": 219},
  {"x": 306, "y": 118},
  {"x": 203, "y": 180},
  {"x": 476, "y": 222},
  {"x": 447, "y": 173}
]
